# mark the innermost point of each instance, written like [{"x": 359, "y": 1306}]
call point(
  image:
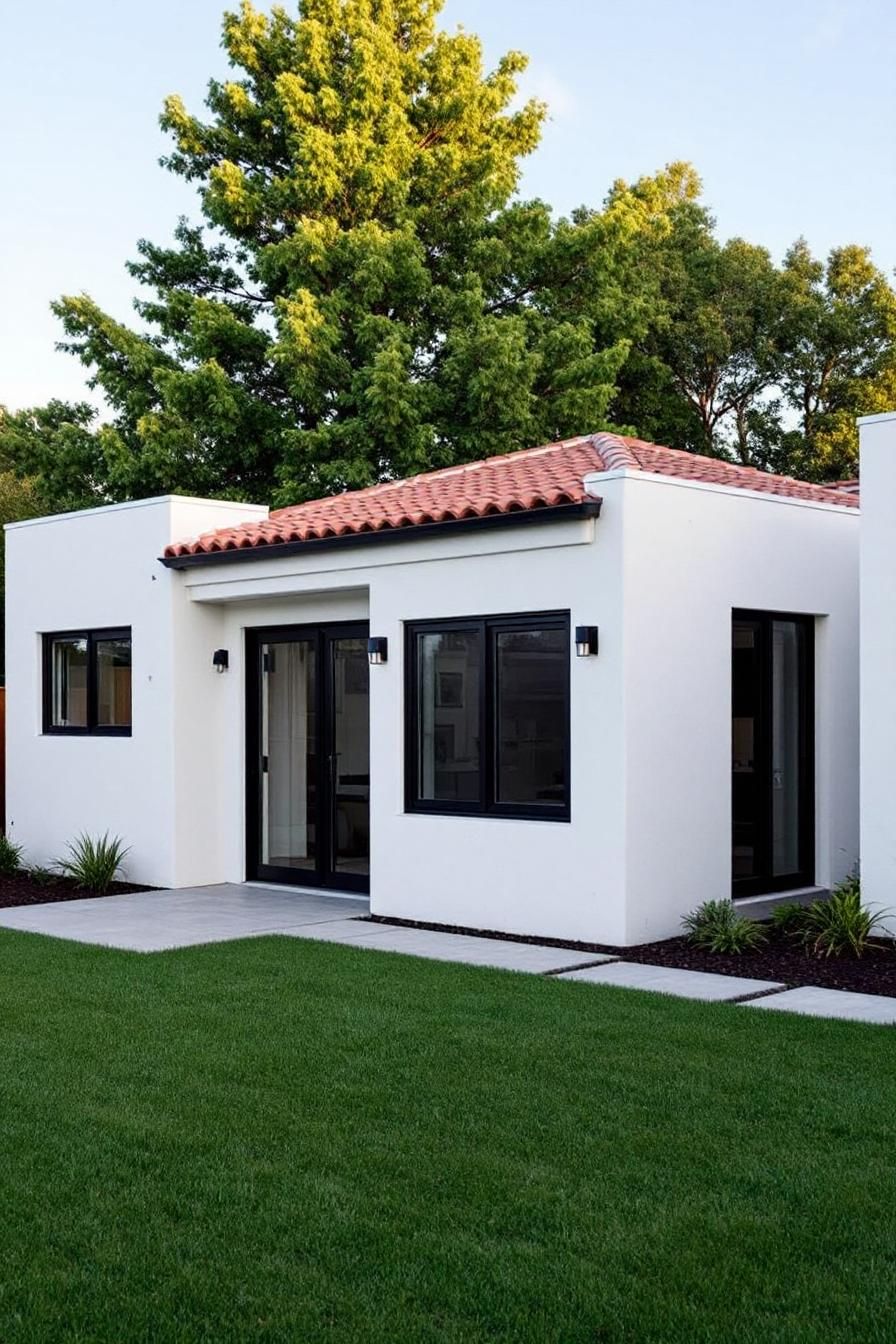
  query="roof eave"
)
[{"x": 557, "y": 513}]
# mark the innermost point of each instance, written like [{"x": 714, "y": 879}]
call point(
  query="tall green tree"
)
[
  {"x": 740, "y": 358},
  {"x": 840, "y": 360},
  {"x": 365, "y": 298},
  {"x": 717, "y": 327},
  {"x": 19, "y": 499},
  {"x": 652, "y": 219},
  {"x": 57, "y": 452}
]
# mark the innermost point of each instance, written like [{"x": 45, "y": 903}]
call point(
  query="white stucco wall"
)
[
  {"x": 878, "y": 608},
  {"x": 692, "y": 554},
  {"x": 85, "y": 571}
]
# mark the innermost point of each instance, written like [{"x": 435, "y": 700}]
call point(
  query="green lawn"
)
[{"x": 278, "y": 1140}]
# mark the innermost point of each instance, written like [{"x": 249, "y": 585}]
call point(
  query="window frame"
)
[
  {"x": 487, "y": 805},
  {"x": 92, "y": 638}
]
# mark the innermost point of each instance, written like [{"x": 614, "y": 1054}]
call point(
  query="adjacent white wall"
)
[
  {"x": 878, "y": 681},
  {"x": 85, "y": 571},
  {"x": 535, "y": 877},
  {"x": 693, "y": 553}
]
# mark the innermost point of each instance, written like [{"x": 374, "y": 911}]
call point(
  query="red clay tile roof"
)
[
  {"x": 673, "y": 462},
  {"x": 536, "y": 478}
]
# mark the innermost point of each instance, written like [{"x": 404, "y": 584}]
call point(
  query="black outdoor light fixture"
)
[
  {"x": 586, "y": 641},
  {"x": 377, "y": 650},
  {"x": 221, "y": 660}
]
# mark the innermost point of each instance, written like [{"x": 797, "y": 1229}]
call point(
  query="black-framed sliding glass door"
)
[
  {"x": 308, "y": 756},
  {"x": 772, "y": 752}
]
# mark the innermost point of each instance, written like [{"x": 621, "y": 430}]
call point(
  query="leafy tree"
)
[
  {"x": 649, "y": 221},
  {"x": 724, "y": 339},
  {"x": 368, "y": 297},
  {"x": 766, "y": 365},
  {"x": 57, "y": 452},
  {"x": 19, "y": 499},
  {"x": 365, "y": 299},
  {"x": 712, "y": 347},
  {"x": 840, "y": 360}
]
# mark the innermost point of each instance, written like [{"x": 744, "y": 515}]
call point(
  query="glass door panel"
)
[
  {"x": 746, "y": 745},
  {"x": 772, "y": 752},
  {"x": 786, "y": 733},
  {"x": 350, "y": 758},
  {"x": 290, "y": 757},
  {"x": 308, "y": 756}
]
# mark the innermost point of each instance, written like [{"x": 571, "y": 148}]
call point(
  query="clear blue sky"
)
[{"x": 787, "y": 108}]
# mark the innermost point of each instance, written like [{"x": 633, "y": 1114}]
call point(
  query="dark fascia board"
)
[{"x": 558, "y": 513}]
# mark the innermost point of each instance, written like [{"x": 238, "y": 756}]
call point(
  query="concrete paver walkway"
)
[
  {"x": 496, "y": 952},
  {"x": 817, "y": 1001},
  {"x": 156, "y": 921},
  {"x": 671, "y": 980}
]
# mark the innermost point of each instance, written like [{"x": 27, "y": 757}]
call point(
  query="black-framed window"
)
[
  {"x": 487, "y": 728},
  {"x": 87, "y": 682}
]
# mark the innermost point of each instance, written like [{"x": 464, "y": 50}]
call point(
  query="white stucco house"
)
[{"x": 569, "y": 692}]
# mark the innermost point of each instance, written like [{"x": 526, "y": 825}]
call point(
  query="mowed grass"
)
[{"x": 280, "y": 1140}]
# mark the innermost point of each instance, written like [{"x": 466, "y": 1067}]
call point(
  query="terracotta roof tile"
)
[
  {"x": 674, "y": 462},
  {"x": 535, "y": 478}
]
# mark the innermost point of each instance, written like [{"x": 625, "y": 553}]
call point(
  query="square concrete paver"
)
[
  {"x": 156, "y": 921},
  {"x": 816, "y": 1001},
  {"x": 329, "y": 931},
  {"x": 464, "y": 948},
  {"x": 670, "y": 980}
]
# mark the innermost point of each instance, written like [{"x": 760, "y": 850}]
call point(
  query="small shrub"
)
[
  {"x": 789, "y": 920},
  {"x": 94, "y": 863},
  {"x": 716, "y": 926},
  {"x": 841, "y": 926},
  {"x": 42, "y": 877},
  {"x": 10, "y": 857}
]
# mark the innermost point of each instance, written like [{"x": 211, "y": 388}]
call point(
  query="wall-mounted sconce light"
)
[
  {"x": 221, "y": 660},
  {"x": 586, "y": 641},
  {"x": 377, "y": 650}
]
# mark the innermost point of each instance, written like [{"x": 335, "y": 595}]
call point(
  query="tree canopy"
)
[{"x": 367, "y": 295}]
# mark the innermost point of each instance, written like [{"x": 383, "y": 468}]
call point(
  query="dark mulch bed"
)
[
  {"x": 875, "y": 973},
  {"x": 23, "y": 890}
]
